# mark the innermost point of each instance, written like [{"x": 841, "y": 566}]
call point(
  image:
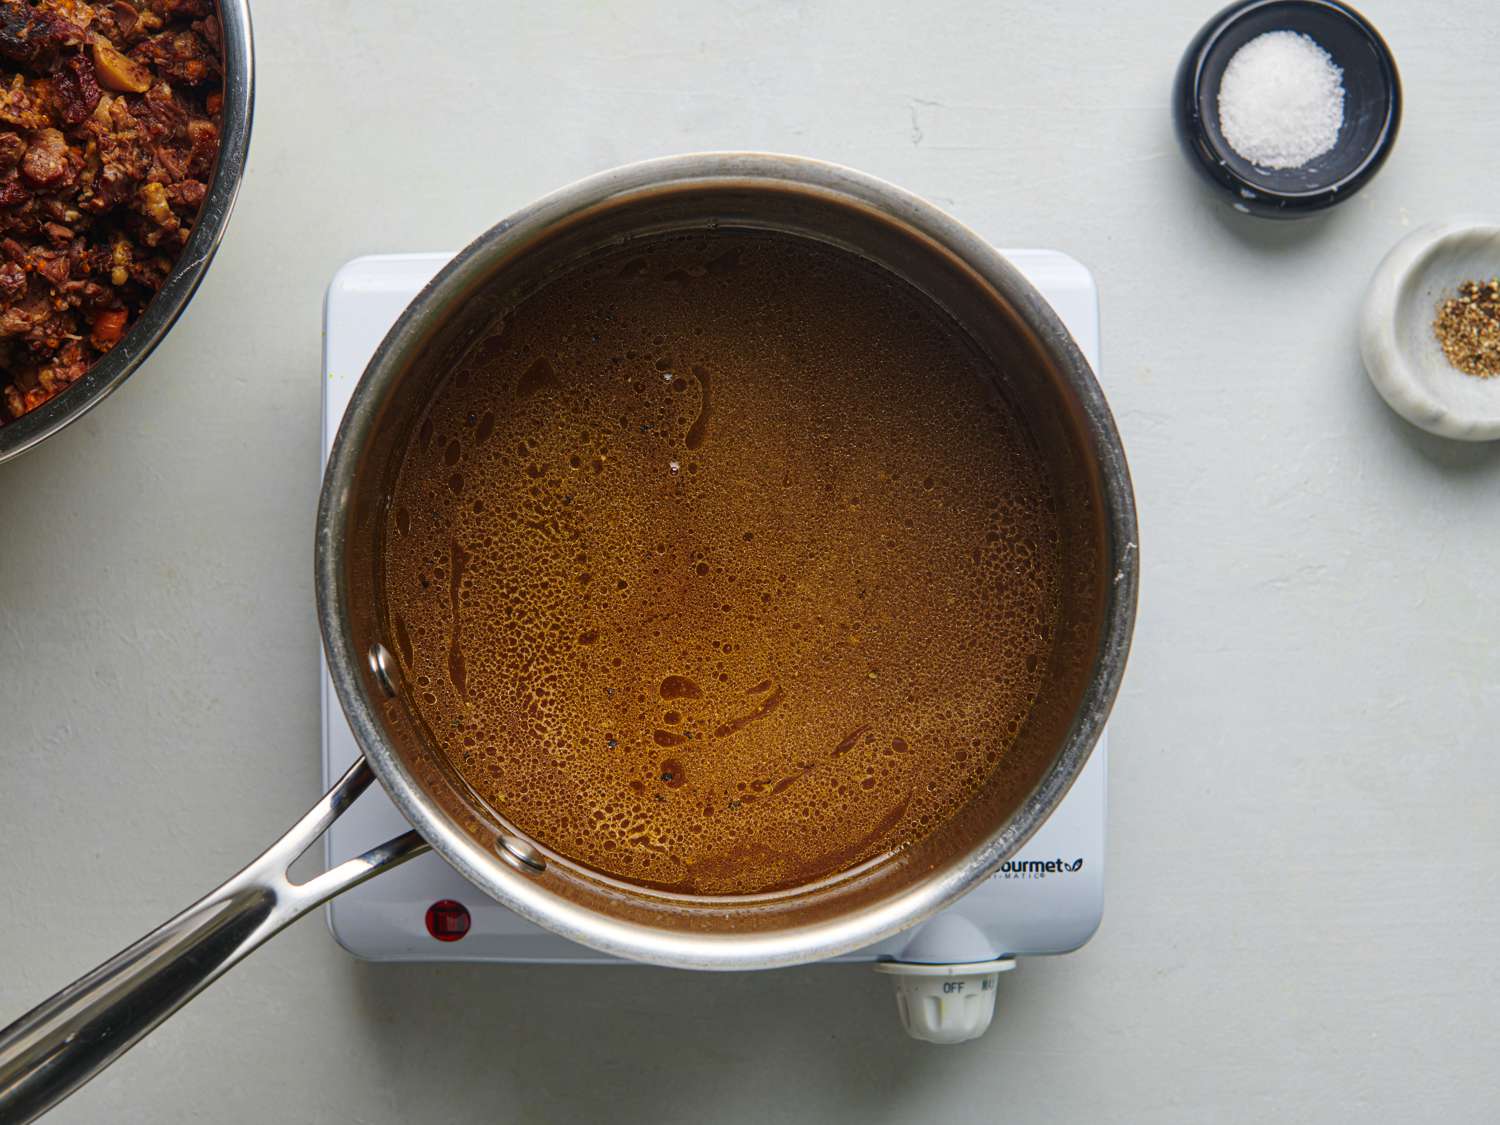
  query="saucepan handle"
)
[{"x": 63, "y": 1042}]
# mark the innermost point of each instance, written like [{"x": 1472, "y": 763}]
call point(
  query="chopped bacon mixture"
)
[{"x": 109, "y": 129}]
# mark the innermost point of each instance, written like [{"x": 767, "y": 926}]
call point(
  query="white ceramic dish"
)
[{"x": 1400, "y": 350}]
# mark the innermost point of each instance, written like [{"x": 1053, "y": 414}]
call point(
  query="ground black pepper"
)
[{"x": 1468, "y": 328}]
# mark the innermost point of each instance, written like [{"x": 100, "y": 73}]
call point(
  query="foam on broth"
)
[{"x": 720, "y": 565}]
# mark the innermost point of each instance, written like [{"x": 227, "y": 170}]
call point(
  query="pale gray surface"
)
[{"x": 1303, "y": 901}]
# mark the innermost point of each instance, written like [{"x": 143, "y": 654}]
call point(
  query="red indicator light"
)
[{"x": 447, "y": 920}]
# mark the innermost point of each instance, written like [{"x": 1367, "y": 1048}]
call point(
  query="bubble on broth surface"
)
[{"x": 807, "y": 647}]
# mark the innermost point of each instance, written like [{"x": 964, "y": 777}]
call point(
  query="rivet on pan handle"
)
[
  {"x": 383, "y": 668},
  {"x": 520, "y": 854}
]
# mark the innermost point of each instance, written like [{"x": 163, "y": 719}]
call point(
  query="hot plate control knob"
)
[{"x": 945, "y": 1003}]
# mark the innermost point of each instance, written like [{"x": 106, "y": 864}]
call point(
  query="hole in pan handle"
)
[{"x": 63, "y": 1042}]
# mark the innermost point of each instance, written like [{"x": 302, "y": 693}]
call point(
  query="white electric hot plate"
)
[{"x": 1046, "y": 900}]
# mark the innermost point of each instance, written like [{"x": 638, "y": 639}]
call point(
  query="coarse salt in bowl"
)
[
  {"x": 1281, "y": 100},
  {"x": 1287, "y": 106}
]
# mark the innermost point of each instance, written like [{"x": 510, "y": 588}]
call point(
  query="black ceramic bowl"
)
[{"x": 1372, "y": 107}]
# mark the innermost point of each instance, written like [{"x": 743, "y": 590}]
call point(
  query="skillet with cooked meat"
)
[{"x": 109, "y": 129}]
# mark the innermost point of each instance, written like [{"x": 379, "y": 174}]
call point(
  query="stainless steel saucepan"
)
[{"x": 56, "y": 1047}]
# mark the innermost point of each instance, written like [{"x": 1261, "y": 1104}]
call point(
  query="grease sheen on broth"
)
[{"x": 719, "y": 565}]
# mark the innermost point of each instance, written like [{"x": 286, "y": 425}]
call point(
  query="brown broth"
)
[{"x": 721, "y": 566}]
